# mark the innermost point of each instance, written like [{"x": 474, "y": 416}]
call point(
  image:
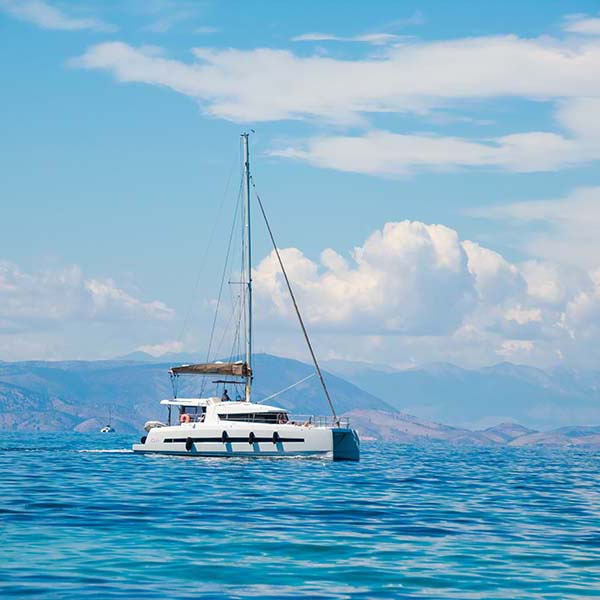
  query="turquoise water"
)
[{"x": 408, "y": 521}]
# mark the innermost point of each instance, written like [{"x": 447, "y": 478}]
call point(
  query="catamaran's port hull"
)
[{"x": 190, "y": 440}]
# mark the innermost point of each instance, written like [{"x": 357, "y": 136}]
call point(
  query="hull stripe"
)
[
  {"x": 203, "y": 440},
  {"x": 236, "y": 453}
]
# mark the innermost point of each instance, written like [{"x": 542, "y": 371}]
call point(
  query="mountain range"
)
[
  {"x": 478, "y": 398},
  {"x": 479, "y": 406}
]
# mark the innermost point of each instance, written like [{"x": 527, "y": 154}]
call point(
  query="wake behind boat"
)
[{"x": 219, "y": 426}]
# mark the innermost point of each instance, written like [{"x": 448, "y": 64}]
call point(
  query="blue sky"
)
[{"x": 121, "y": 125}]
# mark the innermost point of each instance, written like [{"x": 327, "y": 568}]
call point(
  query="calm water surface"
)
[{"x": 80, "y": 521}]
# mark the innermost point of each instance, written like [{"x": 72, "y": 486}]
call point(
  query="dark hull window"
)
[{"x": 255, "y": 417}]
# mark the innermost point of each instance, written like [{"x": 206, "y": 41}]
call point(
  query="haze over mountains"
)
[
  {"x": 503, "y": 404},
  {"x": 477, "y": 398}
]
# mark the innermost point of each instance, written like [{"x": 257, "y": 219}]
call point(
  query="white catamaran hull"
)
[{"x": 251, "y": 439}]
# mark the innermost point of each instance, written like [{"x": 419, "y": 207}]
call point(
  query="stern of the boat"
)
[{"x": 346, "y": 444}]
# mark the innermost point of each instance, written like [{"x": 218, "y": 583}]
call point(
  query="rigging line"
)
[
  {"x": 289, "y": 387},
  {"x": 300, "y": 320},
  {"x": 233, "y": 318},
  {"x": 236, "y": 335},
  {"x": 225, "y": 331},
  {"x": 212, "y": 332},
  {"x": 205, "y": 253}
]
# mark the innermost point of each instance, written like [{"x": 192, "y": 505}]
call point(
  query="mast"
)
[{"x": 248, "y": 265}]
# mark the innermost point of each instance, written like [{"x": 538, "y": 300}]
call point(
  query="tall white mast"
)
[{"x": 248, "y": 265}]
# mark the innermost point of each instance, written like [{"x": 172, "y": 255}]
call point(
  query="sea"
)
[{"x": 82, "y": 517}]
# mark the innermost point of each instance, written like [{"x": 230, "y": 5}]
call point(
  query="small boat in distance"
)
[
  {"x": 108, "y": 428},
  {"x": 219, "y": 426}
]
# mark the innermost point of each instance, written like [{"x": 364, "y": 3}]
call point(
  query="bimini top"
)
[
  {"x": 237, "y": 369},
  {"x": 191, "y": 401},
  {"x": 227, "y": 408}
]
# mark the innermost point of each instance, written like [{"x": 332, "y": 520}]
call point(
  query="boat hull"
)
[{"x": 253, "y": 440}]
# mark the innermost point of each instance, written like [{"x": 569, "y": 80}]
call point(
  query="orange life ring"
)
[{"x": 184, "y": 418}]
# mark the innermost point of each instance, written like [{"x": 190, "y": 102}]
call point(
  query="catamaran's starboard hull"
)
[{"x": 202, "y": 441}]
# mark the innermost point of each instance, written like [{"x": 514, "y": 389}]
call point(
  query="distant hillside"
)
[
  {"x": 400, "y": 427},
  {"x": 77, "y": 394},
  {"x": 504, "y": 433},
  {"x": 563, "y": 436},
  {"x": 475, "y": 398}
]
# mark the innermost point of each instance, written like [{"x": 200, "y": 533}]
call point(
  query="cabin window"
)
[
  {"x": 192, "y": 410},
  {"x": 263, "y": 417}
]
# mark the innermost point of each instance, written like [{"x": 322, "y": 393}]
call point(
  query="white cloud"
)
[
  {"x": 523, "y": 315},
  {"x": 495, "y": 278},
  {"x": 383, "y": 153},
  {"x": 514, "y": 350},
  {"x": 410, "y": 293},
  {"x": 408, "y": 278},
  {"x": 266, "y": 84},
  {"x": 62, "y": 307},
  {"x": 113, "y": 303},
  {"x": 164, "y": 15},
  {"x": 377, "y": 39},
  {"x": 550, "y": 284},
  {"x": 415, "y": 292},
  {"x": 583, "y": 25},
  {"x": 47, "y": 16},
  {"x": 162, "y": 348},
  {"x": 563, "y": 231},
  {"x": 409, "y": 77}
]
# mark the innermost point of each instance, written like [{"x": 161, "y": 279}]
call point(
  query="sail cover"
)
[{"x": 238, "y": 369}]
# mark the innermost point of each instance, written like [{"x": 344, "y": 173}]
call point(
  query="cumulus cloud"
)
[
  {"x": 47, "y": 16},
  {"x": 407, "y": 278},
  {"x": 416, "y": 292},
  {"x": 582, "y": 315},
  {"x": 51, "y": 298}
]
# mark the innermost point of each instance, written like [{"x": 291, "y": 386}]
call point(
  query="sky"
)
[{"x": 430, "y": 170}]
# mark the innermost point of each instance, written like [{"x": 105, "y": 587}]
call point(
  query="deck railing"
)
[{"x": 319, "y": 420}]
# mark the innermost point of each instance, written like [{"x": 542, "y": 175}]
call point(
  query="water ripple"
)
[{"x": 82, "y": 517}]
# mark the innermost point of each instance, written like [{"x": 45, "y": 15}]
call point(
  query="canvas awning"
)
[{"x": 237, "y": 369}]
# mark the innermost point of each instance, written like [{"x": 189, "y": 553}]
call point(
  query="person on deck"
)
[{"x": 225, "y": 397}]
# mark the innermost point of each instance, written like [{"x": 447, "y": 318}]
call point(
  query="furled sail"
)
[{"x": 237, "y": 369}]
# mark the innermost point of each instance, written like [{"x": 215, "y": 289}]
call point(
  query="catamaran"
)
[{"x": 220, "y": 426}]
